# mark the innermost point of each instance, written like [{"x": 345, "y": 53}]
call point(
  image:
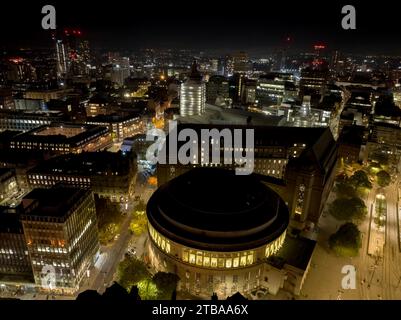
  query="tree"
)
[
  {"x": 148, "y": 289},
  {"x": 360, "y": 180},
  {"x": 383, "y": 178},
  {"x": 344, "y": 189},
  {"x": 348, "y": 209},
  {"x": 140, "y": 207},
  {"x": 166, "y": 284},
  {"x": 346, "y": 241},
  {"x": 138, "y": 224},
  {"x": 131, "y": 271},
  {"x": 109, "y": 219}
]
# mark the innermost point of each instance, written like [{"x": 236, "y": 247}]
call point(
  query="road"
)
[{"x": 101, "y": 275}]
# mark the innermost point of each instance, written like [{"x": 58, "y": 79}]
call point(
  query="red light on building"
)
[
  {"x": 16, "y": 60},
  {"x": 319, "y": 46}
]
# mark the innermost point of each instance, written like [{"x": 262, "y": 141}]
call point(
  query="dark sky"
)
[{"x": 206, "y": 24}]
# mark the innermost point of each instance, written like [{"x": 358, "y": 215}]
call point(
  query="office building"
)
[
  {"x": 120, "y": 126},
  {"x": 15, "y": 264},
  {"x": 63, "y": 138},
  {"x": 217, "y": 89},
  {"x": 107, "y": 174},
  {"x": 60, "y": 229},
  {"x": 193, "y": 94}
]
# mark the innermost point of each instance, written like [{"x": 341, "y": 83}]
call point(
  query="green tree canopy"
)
[
  {"x": 148, "y": 289},
  {"x": 166, "y": 284},
  {"x": 109, "y": 219},
  {"x": 346, "y": 241},
  {"x": 348, "y": 209},
  {"x": 130, "y": 271},
  {"x": 345, "y": 190},
  {"x": 383, "y": 178},
  {"x": 360, "y": 180},
  {"x": 141, "y": 206}
]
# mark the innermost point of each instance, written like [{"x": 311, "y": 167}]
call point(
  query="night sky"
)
[{"x": 222, "y": 25}]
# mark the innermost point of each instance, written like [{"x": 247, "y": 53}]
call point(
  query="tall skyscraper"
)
[
  {"x": 72, "y": 54},
  {"x": 193, "y": 94}
]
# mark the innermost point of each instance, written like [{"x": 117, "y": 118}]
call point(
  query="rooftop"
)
[
  {"x": 55, "y": 202},
  {"x": 296, "y": 252},
  {"x": 214, "y": 208},
  {"x": 86, "y": 164}
]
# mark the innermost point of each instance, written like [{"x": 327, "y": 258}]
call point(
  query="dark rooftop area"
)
[
  {"x": 87, "y": 164},
  {"x": 55, "y": 202},
  {"x": 296, "y": 252}
]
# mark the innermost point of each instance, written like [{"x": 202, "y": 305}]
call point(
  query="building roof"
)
[
  {"x": 214, "y": 209},
  {"x": 352, "y": 135},
  {"x": 10, "y": 220},
  {"x": 55, "y": 202},
  {"x": 87, "y": 164},
  {"x": 296, "y": 252},
  {"x": 90, "y": 131},
  {"x": 111, "y": 118}
]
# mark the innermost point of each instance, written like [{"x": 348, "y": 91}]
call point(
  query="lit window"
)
[
  {"x": 213, "y": 262},
  {"x": 243, "y": 261},
  {"x": 236, "y": 262},
  {"x": 192, "y": 258},
  {"x": 206, "y": 261},
  {"x": 250, "y": 258},
  {"x": 199, "y": 258},
  {"x": 185, "y": 256}
]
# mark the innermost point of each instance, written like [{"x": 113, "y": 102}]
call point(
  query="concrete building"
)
[
  {"x": 63, "y": 138},
  {"x": 8, "y": 183},
  {"x": 215, "y": 230},
  {"x": 298, "y": 163},
  {"x": 107, "y": 174},
  {"x": 60, "y": 229},
  {"x": 120, "y": 126},
  {"x": 193, "y": 94}
]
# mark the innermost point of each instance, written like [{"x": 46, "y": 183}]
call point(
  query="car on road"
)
[{"x": 117, "y": 236}]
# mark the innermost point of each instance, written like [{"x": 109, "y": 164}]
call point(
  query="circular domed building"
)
[{"x": 215, "y": 229}]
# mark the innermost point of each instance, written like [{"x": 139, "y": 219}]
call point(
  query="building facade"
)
[
  {"x": 220, "y": 242},
  {"x": 193, "y": 94},
  {"x": 60, "y": 229}
]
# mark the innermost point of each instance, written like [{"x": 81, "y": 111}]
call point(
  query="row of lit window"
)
[
  {"x": 274, "y": 246},
  {"x": 221, "y": 260},
  {"x": 21, "y": 121},
  {"x": 55, "y": 264},
  {"x": 161, "y": 241},
  {"x": 60, "y": 178},
  {"x": 53, "y": 250}
]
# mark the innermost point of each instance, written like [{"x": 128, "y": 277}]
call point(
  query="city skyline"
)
[{"x": 200, "y": 151}]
